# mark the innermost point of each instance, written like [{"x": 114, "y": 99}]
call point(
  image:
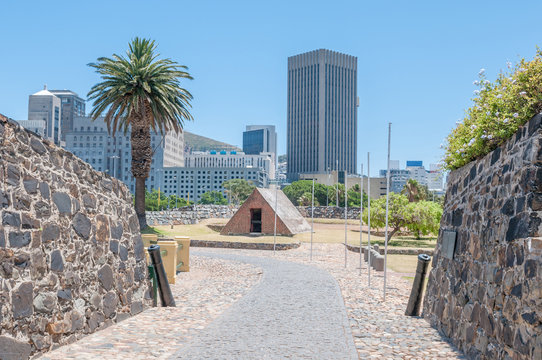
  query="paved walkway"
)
[{"x": 296, "y": 311}]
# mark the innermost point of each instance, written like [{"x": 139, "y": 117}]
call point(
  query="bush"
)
[{"x": 499, "y": 110}]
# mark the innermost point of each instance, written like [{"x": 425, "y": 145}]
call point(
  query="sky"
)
[{"x": 417, "y": 60}]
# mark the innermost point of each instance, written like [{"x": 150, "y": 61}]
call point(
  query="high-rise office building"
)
[
  {"x": 322, "y": 113},
  {"x": 260, "y": 139},
  {"x": 71, "y": 106},
  {"x": 45, "y": 106}
]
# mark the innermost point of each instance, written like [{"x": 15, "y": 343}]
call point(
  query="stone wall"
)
[
  {"x": 329, "y": 212},
  {"x": 487, "y": 294},
  {"x": 71, "y": 255},
  {"x": 190, "y": 214}
]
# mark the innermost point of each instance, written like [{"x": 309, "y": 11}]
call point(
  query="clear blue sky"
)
[{"x": 416, "y": 59}]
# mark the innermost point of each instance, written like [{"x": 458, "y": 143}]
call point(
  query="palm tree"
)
[{"x": 140, "y": 93}]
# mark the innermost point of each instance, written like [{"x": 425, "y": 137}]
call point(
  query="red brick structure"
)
[{"x": 257, "y": 215}]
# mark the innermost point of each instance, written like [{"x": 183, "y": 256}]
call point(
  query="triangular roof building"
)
[{"x": 257, "y": 215}]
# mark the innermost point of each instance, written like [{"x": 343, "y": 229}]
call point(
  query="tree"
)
[
  {"x": 171, "y": 202},
  {"x": 424, "y": 217},
  {"x": 297, "y": 189},
  {"x": 140, "y": 93},
  {"x": 306, "y": 200},
  {"x": 415, "y": 191},
  {"x": 213, "y": 197},
  {"x": 354, "y": 197},
  {"x": 238, "y": 190},
  {"x": 398, "y": 214},
  {"x": 421, "y": 218}
]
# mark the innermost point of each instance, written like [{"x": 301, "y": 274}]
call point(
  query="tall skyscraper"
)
[
  {"x": 45, "y": 106},
  {"x": 260, "y": 138},
  {"x": 322, "y": 113},
  {"x": 71, "y": 106}
]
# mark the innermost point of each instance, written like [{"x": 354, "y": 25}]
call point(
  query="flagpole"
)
[
  {"x": 312, "y": 215},
  {"x": 360, "y": 214},
  {"x": 275, "y": 231},
  {"x": 345, "y": 215},
  {"x": 369, "y": 219},
  {"x": 387, "y": 211}
]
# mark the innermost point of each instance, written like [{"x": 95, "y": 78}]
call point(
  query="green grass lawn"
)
[{"x": 324, "y": 232}]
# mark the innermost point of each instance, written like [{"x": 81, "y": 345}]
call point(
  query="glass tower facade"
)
[{"x": 321, "y": 113}]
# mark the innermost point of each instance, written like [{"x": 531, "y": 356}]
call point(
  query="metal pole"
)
[
  {"x": 360, "y": 215},
  {"x": 369, "y": 218},
  {"x": 387, "y": 210},
  {"x": 275, "y": 231},
  {"x": 337, "y": 187},
  {"x": 327, "y": 191},
  {"x": 312, "y": 215},
  {"x": 345, "y": 215}
]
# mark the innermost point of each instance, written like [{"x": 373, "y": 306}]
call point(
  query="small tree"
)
[
  {"x": 306, "y": 200},
  {"x": 238, "y": 190},
  {"x": 398, "y": 213},
  {"x": 415, "y": 191},
  {"x": 213, "y": 197},
  {"x": 424, "y": 217}
]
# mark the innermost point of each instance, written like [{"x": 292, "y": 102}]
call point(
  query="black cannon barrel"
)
[
  {"x": 415, "y": 300},
  {"x": 166, "y": 297}
]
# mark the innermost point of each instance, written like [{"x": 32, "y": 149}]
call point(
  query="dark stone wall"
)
[
  {"x": 488, "y": 297},
  {"x": 71, "y": 255}
]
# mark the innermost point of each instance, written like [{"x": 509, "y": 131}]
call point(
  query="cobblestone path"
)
[{"x": 296, "y": 311}]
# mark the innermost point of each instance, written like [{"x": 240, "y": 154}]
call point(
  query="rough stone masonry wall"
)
[
  {"x": 329, "y": 212},
  {"x": 488, "y": 298},
  {"x": 190, "y": 214},
  {"x": 71, "y": 256}
]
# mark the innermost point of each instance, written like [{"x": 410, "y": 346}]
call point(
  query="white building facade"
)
[
  {"x": 91, "y": 141},
  {"x": 45, "y": 106},
  {"x": 265, "y": 162}
]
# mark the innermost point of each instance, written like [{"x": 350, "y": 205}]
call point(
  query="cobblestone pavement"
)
[
  {"x": 201, "y": 295},
  {"x": 296, "y": 311},
  {"x": 380, "y": 329}
]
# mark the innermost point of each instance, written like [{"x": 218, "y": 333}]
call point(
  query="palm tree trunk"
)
[
  {"x": 140, "y": 202},
  {"x": 140, "y": 138}
]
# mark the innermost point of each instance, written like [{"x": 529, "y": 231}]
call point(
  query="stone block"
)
[
  {"x": 12, "y": 349},
  {"x": 105, "y": 274},
  {"x": 21, "y": 300},
  {"x": 82, "y": 225},
  {"x": 45, "y": 302},
  {"x": 57, "y": 262}
]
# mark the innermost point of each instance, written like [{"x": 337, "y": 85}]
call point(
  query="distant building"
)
[
  {"x": 192, "y": 182},
  {"x": 321, "y": 113},
  {"x": 378, "y": 184},
  {"x": 45, "y": 106},
  {"x": 260, "y": 139},
  {"x": 263, "y": 161},
  {"x": 417, "y": 171},
  {"x": 71, "y": 106},
  {"x": 435, "y": 178},
  {"x": 398, "y": 179},
  {"x": 37, "y": 126},
  {"x": 90, "y": 141}
]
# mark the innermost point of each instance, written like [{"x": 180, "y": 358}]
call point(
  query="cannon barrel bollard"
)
[
  {"x": 415, "y": 300},
  {"x": 166, "y": 297}
]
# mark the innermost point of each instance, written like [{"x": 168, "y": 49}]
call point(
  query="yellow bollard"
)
[
  {"x": 148, "y": 239},
  {"x": 183, "y": 257},
  {"x": 168, "y": 250}
]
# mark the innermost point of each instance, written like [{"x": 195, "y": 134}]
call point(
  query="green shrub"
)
[{"x": 499, "y": 109}]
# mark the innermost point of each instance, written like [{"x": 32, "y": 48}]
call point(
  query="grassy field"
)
[{"x": 324, "y": 232}]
